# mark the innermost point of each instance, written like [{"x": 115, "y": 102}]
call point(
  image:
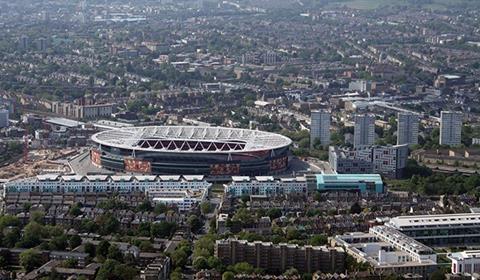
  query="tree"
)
[
  {"x": 59, "y": 243},
  {"x": 145, "y": 206},
  {"x": 146, "y": 246},
  {"x": 162, "y": 229},
  {"x": 243, "y": 268},
  {"x": 102, "y": 248},
  {"x": 89, "y": 248},
  {"x": 437, "y": 275},
  {"x": 32, "y": 234},
  {"x": 37, "y": 217},
  {"x": 205, "y": 207},
  {"x": 74, "y": 241},
  {"x": 11, "y": 237},
  {"x": 108, "y": 224},
  {"x": 200, "y": 263},
  {"x": 291, "y": 272},
  {"x": 30, "y": 259},
  {"x": 75, "y": 210},
  {"x": 274, "y": 213},
  {"x": 160, "y": 208},
  {"x": 194, "y": 222},
  {"x": 70, "y": 263},
  {"x": 318, "y": 240},
  {"x": 228, "y": 275},
  {"x": 8, "y": 221},
  {"x": 106, "y": 271},
  {"x": 355, "y": 208},
  {"x": 115, "y": 253},
  {"x": 176, "y": 274}
]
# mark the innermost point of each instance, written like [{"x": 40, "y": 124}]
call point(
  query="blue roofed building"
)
[{"x": 350, "y": 182}]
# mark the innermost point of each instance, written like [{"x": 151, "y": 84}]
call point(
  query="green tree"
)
[
  {"x": 107, "y": 270},
  {"x": 194, "y": 222},
  {"x": 355, "y": 208},
  {"x": 243, "y": 267},
  {"x": 437, "y": 275},
  {"x": 114, "y": 253},
  {"x": 108, "y": 224},
  {"x": 74, "y": 241},
  {"x": 228, "y": 275},
  {"x": 102, "y": 248},
  {"x": 70, "y": 263},
  {"x": 160, "y": 208},
  {"x": 318, "y": 240},
  {"x": 75, "y": 210},
  {"x": 291, "y": 272},
  {"x": 200, "y": 263},
  {"x": 30, "y": 259},
  {"x": 162, "y": 229},
  {"x": 89, "y": 248},
  {"x": 205, "y": 207},
  {"x": 59, "y": 243},
  {"x": 32, "y": 234}
]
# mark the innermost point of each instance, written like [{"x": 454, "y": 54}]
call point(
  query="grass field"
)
[{"x": 374, "y": 4}]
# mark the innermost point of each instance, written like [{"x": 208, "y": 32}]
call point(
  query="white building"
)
[
  {"x": 466, "y": 262},
  {"x": 388, "y": 251},
  {"x": 364, "y": 131},
  {"x": 441, "y": 230},
  {"x": 450, "y": 128},
  {"x": 183, "y": 191},
  {"x": 266, "y": 185},
  {"x": 4, "y": 119},
  {"x": 407, "y": 128},
  {"x": 320, "y": 127},
  {"x": 389, "y": 160}
]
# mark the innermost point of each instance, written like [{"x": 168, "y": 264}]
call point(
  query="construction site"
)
[{"x": 36, "y": 162}]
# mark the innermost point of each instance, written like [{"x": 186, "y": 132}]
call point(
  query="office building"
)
[
  {"x": 389, "y": 161},
  {"x": 277, "y": 258},
  {"x": 450, "y": 128},
  {"x": 364, "y": 131},
  {"x": 4, "y": 118},
  {"x": 266, "y": 185},
  {"x": 320, "y": 128},
  {"x": 363, "y": 183},
  {"x": 407, "y": 128},
  {"x": 465, "y": 262},
  {"x": 388, "y": 251},
  {"x": 440, "y": 230}
]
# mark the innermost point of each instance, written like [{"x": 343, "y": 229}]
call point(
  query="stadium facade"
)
[{"x": 211, "y": 151}]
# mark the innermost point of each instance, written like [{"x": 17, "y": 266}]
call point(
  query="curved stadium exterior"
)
[{"x": 211, "y": 151}]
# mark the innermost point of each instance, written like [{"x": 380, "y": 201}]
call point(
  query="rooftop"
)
[
  {"x": 191, "y": 139},
  {"x": 322, "y": 178},
  {"x": 435, "y": 220}
]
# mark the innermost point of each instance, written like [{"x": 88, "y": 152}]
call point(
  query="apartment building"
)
[
  {"x": 266, "y": 185},
  {"x": 364, "y": 130},
  {"x": 450, "y": 128},
  {"x": 407, "y": 128},
  {"x": 320, "y": 127},
  {"x": 182, "y": 191},
  {"x": 389, "y": 160},
  {"x": 276, "y": 258}
]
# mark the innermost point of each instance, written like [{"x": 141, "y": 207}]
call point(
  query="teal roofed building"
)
[{"x": 371, "y": 183}]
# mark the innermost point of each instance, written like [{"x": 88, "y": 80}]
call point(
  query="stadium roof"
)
[{"x": 191, "y": 139}]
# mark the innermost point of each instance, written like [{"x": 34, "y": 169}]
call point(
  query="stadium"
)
[{"x": 211, "y": 151}]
